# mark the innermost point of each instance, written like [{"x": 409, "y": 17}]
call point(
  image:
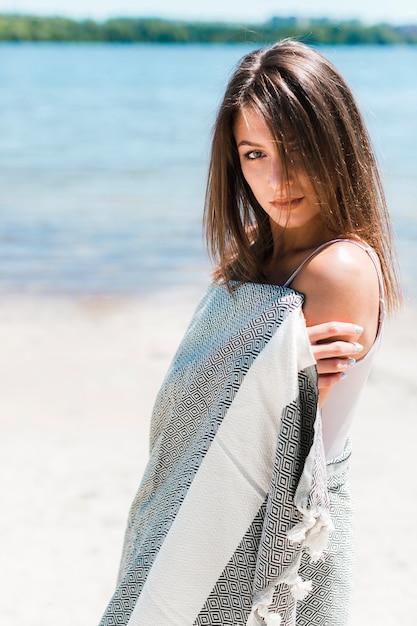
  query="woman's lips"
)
[{"x": 287, "y": 203}]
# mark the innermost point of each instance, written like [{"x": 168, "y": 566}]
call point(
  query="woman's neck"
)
[
  {"x": 292, "y": 246},
  {"x": 289, "y": 241}
]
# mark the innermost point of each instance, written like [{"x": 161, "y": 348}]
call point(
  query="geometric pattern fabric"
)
[{"x": 234, "y": 438}]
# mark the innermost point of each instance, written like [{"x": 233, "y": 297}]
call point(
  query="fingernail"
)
[
  {"x": 343, "y": 375},
  {"x": 358, "y": 346},
  {"x": 359, "y": 329},
  {"x": 352, "y": 361}
]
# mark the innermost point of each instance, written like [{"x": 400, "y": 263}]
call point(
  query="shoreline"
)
[{"x": 78, "y": 378}]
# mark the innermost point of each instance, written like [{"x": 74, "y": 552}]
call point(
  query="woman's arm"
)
[{"x": 340, "y": 283}]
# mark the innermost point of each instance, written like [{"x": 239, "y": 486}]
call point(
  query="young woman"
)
[{"x": 230, "y": 523}]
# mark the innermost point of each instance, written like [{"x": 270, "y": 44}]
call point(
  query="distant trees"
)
[{"x": 135, "y": 30}]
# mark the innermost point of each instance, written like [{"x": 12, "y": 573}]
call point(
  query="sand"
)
[{"x": 78, "y": 378}]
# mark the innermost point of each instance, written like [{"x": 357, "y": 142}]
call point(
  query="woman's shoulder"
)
[
  {"x": 341, "y": 283},
  {"x": 348, "y": 263}
]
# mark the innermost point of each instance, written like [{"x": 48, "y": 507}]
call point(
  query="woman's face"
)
[{"x": 287, "y": 197}]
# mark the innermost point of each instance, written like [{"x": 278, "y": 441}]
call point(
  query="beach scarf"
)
[{"x": 235, "y": 489}]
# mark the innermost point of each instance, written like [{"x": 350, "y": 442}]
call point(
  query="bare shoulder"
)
[
  {"x": 341, "y": 283},
  {"x": 341, "y": 266}
]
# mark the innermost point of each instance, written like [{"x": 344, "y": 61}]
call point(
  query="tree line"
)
[{"x": 20, "y": 28}]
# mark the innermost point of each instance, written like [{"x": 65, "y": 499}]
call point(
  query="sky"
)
[{"x": 255, "y": 11}]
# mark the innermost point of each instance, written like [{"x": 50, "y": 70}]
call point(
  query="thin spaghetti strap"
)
[
  {"x": 311, "y": 256},
  {"x": 373, "y": 257}
]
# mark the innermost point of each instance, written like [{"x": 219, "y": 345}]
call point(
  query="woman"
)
[{"x": 230, "y": 523}]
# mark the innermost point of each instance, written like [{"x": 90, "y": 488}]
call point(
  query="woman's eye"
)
[{"x": 254, "y": 154}]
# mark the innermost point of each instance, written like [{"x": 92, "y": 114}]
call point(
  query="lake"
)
[{"x": 103, "y": 157}]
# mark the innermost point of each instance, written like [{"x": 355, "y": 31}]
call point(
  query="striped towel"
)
[{"x": 235, "y": 488}]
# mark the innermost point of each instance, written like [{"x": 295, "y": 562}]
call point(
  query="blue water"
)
[{"x": 103, "y": 155}]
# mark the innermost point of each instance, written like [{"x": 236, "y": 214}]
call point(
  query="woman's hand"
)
[{"x": 335, "y": 348}]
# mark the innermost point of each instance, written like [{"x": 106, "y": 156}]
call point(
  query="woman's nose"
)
[{"x": 279, "y": 176}]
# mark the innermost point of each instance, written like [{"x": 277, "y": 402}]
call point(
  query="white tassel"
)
[
  {"x": 299, "y": 588},
  {"x": 270, "y": 619},
  {"x": 313, "y": 533},
  {"x": 273, "y": 619},
  {"x": 297, "y": 534},
  {"x": 252, "y": 619},
  {"x": 317, "y": 538}
]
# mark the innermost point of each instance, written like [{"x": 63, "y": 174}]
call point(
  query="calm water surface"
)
[{"x": 103, "y": 155}]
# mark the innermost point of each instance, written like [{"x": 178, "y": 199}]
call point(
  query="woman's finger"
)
[
  {"x": 333, "y": 330},
  {"x": 334, "y": 366},
  {"x": 336, "y": 349}
]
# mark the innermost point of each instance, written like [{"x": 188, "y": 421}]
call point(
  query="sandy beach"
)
[{"x": 78, "y": 379}]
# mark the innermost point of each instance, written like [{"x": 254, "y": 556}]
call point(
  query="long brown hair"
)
[{"x": 291, "y": 85}]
